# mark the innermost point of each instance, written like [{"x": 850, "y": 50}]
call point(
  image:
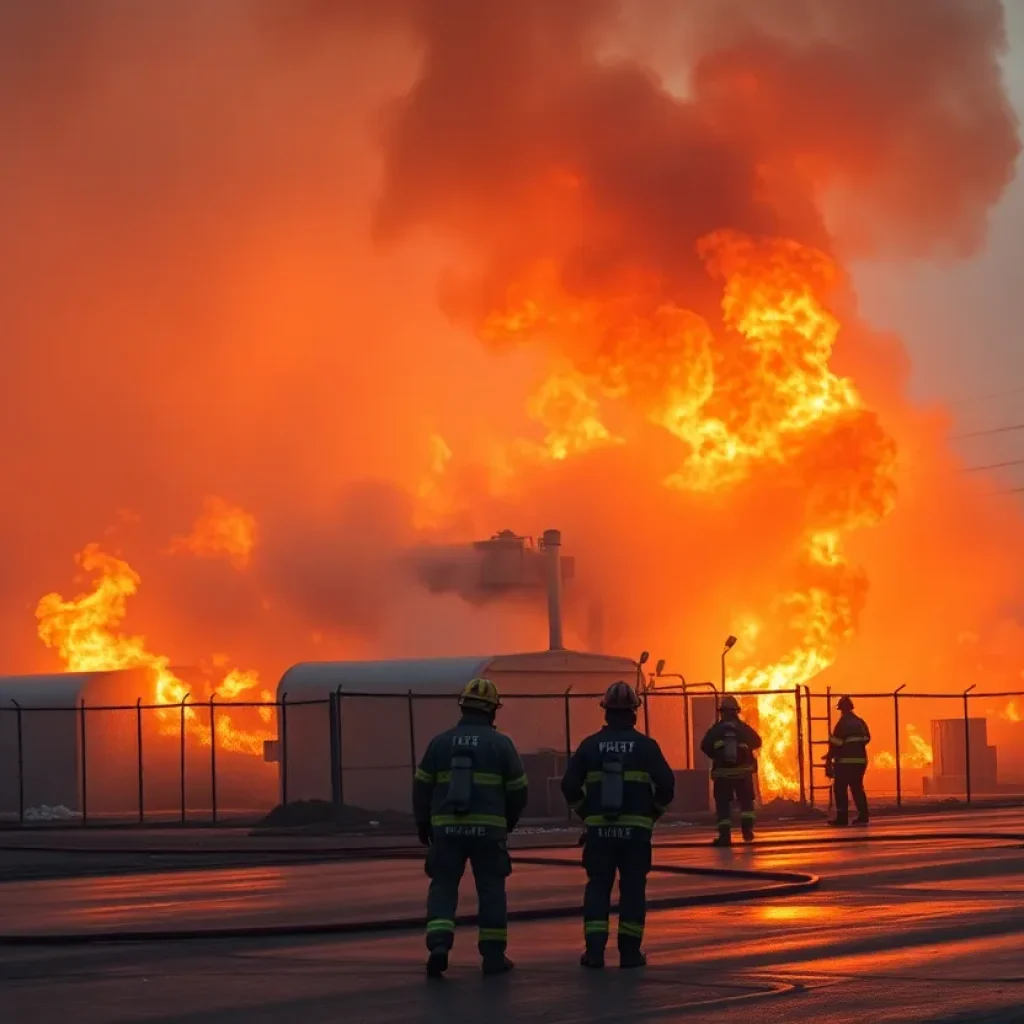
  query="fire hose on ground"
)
[{"x": 774, "y": 884}]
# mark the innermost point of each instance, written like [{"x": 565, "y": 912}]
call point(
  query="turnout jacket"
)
[
  {"x": 849, "y": 740},
  {"x": 498, "y": 793},
  {"x": 647, "y": 788},
  {"x": 717, "y": 745}
]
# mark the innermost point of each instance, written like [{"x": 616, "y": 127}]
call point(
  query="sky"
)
[{"x": 954, "y": 318}]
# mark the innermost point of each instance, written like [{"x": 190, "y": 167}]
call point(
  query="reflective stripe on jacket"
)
[
  {"x": 648, "y": 783},
  {"x": 499, "y": 791},
  {"x": 747, "y": 741},
  {"x": 849, "y": 740}
]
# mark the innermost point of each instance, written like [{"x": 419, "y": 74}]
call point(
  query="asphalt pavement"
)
[{"x": 916, "y": 925}]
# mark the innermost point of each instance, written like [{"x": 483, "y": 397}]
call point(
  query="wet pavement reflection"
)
[{"x": 899, "y": 931}]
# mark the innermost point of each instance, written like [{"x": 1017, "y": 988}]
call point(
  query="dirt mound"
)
[{"x": 322, "y": 815}]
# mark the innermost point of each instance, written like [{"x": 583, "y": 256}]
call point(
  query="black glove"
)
[{"x": 424, "y": 832}]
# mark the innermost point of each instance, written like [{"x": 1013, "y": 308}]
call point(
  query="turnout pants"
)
[
  {"x": 602, "y": 859},
  {"x": 849, "y": 778},
  {"x": 445, "y": 866},
  {"x": 741, "y": 788}
]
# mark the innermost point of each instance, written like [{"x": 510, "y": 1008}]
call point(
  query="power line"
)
[
  {"x": 994, "y": 465},
  {"x": 985, "y": 398},
  {"x": 986, "y": 433}
]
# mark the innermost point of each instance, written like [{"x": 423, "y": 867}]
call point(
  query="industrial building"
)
[
  {"x": 42, "y": 754},
  {"x": 94, "y": 744},
  {"x": 387, "y": 711},
  {"x": 353, "y": 731},
  {"x": 950, "y": 742}
]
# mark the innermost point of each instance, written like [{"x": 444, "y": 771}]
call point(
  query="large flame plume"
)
[
  {"x": 593, "y": 266},
  {"x": 86, "y": 632}
]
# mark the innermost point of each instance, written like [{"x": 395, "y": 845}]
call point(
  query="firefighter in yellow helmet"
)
[
  {"x": 847, "y": 761},
  {"x": 468, "y": 794},
  {"x": 730, "y": 745}
]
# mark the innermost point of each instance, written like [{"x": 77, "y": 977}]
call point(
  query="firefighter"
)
[
  {"x": 468, "y": 794},
  {"x": 847, "y": 760},
  {"x": 730, "y": 745},
  {"x": 619, "y": 783}
]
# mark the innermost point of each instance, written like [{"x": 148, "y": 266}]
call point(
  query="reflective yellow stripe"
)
[
  {"x": 492, "y": 934},
  {"x": 853, "y": 760},
  {"x": 517, "y": 783},
  {"x": 719, "y": 743},
  {"x": 732, "y": 773},
  {"x": 422, "y": 776},
  {"x": 628, "y": 928},
  {"x": 627, "y": 776},
  {"x": 857, "y": 739},
  {"x": 623, "y": 819},
  {"x": 440, "y": 924},
  {"x": 595, "y": 927},
  {"x": 440, "y": 820},
  {"x": 835, "y": 741},
  {"x": 747, "y": 815},
  {"x": 488, "y": 779},
  {"x": 725, "y": 821},
  {"x": 480, "y": 778}
]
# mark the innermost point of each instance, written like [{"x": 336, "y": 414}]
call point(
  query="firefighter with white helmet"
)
[
  {"x": 469, "y": 792},
  {"x": 847, "y": 761},
  {"x": 730, "y": 745},
  {"x": 619, "y": 783}
]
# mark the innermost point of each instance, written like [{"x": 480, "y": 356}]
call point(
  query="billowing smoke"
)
[{"x": 273, "y": 251}]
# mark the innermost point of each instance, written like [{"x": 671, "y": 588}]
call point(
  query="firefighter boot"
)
[
  {"x": 748, "y": 831},
  {"x": 860, "y": 821},
  {"x": 437, "y": 963},
  {"x": 839, "y": 822},
  {"x": 631, "y": 958},
  {"x": 724, "y": 837},
  {"x": 592, "y": 958},
  {"x": 496, "y": 965}
]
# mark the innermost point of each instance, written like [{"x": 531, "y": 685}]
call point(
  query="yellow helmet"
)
[{"x": 480, "y": 693}]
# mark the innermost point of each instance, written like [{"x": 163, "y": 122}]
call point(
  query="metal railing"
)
[{"x": 200, "y": 762}]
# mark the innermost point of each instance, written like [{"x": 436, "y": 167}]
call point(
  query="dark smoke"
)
[{"x": 885, "y": 119}]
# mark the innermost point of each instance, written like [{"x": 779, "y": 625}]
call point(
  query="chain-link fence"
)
[{"x": 214, "y": 762}]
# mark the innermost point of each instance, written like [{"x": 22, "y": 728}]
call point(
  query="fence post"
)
[
  {"x": 800, "y": 745},
  {"x": 182, "y": 771},
  {"x": 213, "y": 761},
  {"x": 284, "y": 749},
  {"x": 21, "y": 764},
  {"x": 334, "y": 716},
  {"x": 568, "y": 743},
  {"x": 85, "y": 778},
  {"x": 810, "y": 740},
  {"x": 899, "y": 766},
  {"x": 647, "y": 723},
  {"x": 967, "y": 742},
  {"x": 686, "y": 728},
  {"x": 138, "y": 749},
  {"x": 412, "y": 734}
]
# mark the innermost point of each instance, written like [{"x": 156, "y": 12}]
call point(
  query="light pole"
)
[{"x": 730, "y": 643}]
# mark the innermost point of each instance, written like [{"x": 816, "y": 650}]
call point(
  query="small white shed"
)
[
  {"x": 47, "y": 746},
  {"x": 389, "y": 710}
]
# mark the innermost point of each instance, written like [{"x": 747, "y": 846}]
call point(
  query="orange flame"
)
[
  {"x": 222, "y": 530},
  {"x": 767, "y": 398},
  {"x": 919, "y": 755},
  {"x": 85, "y": 631}
]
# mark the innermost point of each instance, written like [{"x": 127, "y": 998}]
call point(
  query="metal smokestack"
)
[{"x": 552, "y": 543}]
